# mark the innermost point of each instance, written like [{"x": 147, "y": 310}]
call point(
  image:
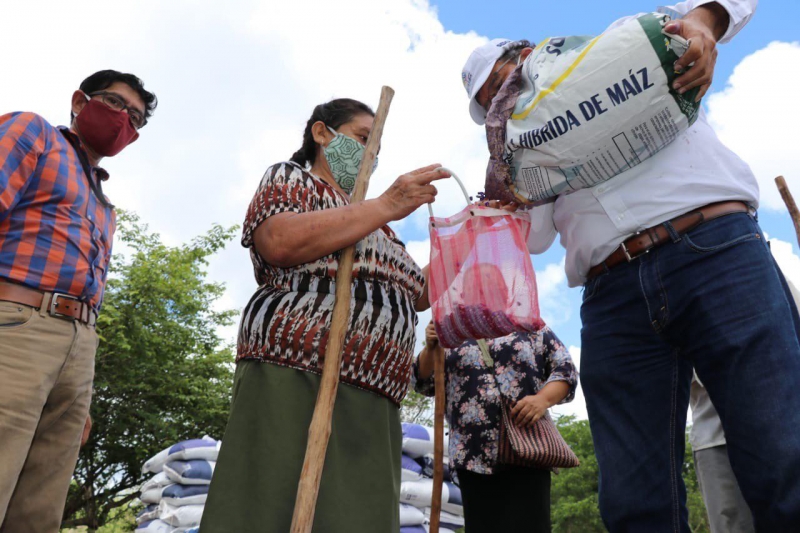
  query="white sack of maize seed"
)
[
  {"x": 411, "y": 516},
  {"x": 184, "y": 516},
  {"x": 153, "y": 494},
  {"x": 420, "y": 494},
  {"x": 154, "y": 526},
  {"x": 449, "y": 520},
  {"x": 159, "y": 480},
  {"x": 590, "y": 108},
  {"x": 194, "y": 472},
  {"x": 205, "y": 448},
  {"x": 147, "y": 514},
  {"x": 410, "y": 469},
  {"x": 418, "y": 440}
]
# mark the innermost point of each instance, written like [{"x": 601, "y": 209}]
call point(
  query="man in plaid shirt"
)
[{"x": 56, "y": 231}]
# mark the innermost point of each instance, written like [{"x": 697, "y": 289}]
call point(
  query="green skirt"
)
[{"x": 255, "y": 479}]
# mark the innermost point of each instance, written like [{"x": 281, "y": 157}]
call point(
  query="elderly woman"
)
[
  {"x": 296, "y": 225},
  {"x": 530, "y": 373}
]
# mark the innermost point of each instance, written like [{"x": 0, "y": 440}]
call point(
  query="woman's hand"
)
[
  {"x": 410, "y": 191},
  {"x": 529, "y": 409},
  {"x": 426, "y": 356},
  {"x": 431, "y": 340}
]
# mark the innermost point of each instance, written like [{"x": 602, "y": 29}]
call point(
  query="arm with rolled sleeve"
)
[
  {"x": 423, "y": 385},
  {"x": 739, "y": 13},
  {"x": 22, "y": 142},
  {"x": 558, "y": 364},
  {"x": 543, "y": 229}
]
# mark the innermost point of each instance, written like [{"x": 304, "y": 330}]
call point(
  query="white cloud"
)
[
  {"x": 420, "y": 251},
  {"x": 577, "y": 406},
  {"x": 789, "y": 263},
  {"x": 756, "y": 116},
  {"x": 236, "y": 84},
  {"x": 554, "y": 305}
]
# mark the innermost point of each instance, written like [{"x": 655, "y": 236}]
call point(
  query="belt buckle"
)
[
  {"x": 54, "y": 301},
  {"x": 627, "y": 254}
]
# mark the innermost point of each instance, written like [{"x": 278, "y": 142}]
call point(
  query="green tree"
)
[
  {"x": 574, "y": 494},
  {"x": 698, "y": 516},
  {"x": 417, "y": 409},
  {"x": 574, "y": 490},
  {"x": 162, "y": 373}
]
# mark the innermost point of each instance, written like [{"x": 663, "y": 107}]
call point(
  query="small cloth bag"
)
[
  {"x": 481, "y": 281},
  {"x": 540, "y": 445}
]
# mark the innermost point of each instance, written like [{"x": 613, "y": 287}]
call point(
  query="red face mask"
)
[{"x": 105, "y": 130}]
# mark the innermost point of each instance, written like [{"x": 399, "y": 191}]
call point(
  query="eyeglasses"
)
[
  {"x": 116, "y": 102},
  {"x": 493, "y": 86}
]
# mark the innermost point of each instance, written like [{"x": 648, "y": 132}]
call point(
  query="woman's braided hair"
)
[{"x": 334, "y": 114}]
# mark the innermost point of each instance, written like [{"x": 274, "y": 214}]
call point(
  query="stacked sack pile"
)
[
  {"x": 416, "y": 489},
  {"x": 175, "y": 496}
]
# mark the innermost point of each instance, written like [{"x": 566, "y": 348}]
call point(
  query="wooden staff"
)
[
  {"x": 794, "y": 212},
  {"x": 319, "y": 431},
  {"x": 438, "y": 438}
]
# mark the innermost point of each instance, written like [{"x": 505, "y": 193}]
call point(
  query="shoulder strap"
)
[
  {"x": 487, "y": 357},
  {"x": 94, "y": 184}
]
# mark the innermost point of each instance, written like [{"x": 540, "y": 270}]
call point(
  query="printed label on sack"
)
[{"x": 591, "y": 108}]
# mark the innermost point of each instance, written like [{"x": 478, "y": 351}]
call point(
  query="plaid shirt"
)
[{"x": 55, "y": 235}]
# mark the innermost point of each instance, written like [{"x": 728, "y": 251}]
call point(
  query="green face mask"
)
[{"x": 344, "y": 155}]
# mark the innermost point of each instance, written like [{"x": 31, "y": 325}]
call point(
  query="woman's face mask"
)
[{"x": 344, "y": 155}]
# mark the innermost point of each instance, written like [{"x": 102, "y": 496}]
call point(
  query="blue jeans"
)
[{"x": 715, "y": 300}]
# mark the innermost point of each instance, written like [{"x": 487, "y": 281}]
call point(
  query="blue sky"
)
[{"x": 535, "y": 20}]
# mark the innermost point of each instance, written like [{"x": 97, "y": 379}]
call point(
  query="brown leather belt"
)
[
  {"x": 58, "y": 304},
  {"x": 645, "y": 240}
]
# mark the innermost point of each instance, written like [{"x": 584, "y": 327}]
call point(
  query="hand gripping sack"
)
[
  {"x": 581, "y": 110},
  {"x": 481, "y": 281}
]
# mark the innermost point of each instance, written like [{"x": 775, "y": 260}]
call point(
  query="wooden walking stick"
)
[
  {"x": 438, "y": 438},
  {"x": 320, "y": 429},
  {"x": 794, "y": 212}
]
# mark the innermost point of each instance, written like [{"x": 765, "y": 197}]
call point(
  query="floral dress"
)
[{"x": 523, "y": 364}]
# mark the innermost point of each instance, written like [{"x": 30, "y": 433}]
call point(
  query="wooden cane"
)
[
  {"x": 438, "y": 438},
  {"x": 319, "y": 431},
  {"x": 794, "y": 212}
]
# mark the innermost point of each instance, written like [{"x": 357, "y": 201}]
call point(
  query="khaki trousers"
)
[
  {"x": 46, "y": 373},
  {"x": 727, "y": 510}
]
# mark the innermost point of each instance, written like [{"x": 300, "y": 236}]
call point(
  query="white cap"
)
[{"x": 477, "y": 70}]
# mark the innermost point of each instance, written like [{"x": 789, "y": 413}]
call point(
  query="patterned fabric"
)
[
  {"x": 537, "y": 446},
  {"x": 523, "y": 364},
  {"x": 287, "y": 321},
  {"x": 499, "y": 179},
  {"x": 54, "y": 233},
  {"x": 344, "y": 155}
]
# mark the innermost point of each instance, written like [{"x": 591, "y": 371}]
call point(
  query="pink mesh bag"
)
[{"x": 481, "y": 281}]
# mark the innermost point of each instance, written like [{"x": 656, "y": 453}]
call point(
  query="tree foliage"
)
[
  {"x": 574, "y": 494},
  {"x": 162, "y": 373},
  {"x": 417, "y": 409}
]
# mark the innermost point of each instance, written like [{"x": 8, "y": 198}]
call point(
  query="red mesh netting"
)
[{"x": 482, "y": 284}]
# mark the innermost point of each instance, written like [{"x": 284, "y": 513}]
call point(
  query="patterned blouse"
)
[
  {"x": 523, "y": 364},
  {"x": 287, "y": 321}
]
